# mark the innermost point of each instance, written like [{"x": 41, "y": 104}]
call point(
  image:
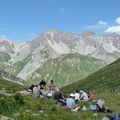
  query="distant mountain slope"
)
[
  {"x": 106, "y": 79},
  {"x": 66, "y": 69}
]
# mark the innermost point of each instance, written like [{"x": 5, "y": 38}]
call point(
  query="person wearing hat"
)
[
  {"x": 70, "y": 103},
  {"x": 100, "y": 105},
  {"x": 83, "y": 96}
]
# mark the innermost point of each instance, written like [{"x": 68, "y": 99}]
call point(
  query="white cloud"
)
[
  {"x": 95, "y": 27},
  {"x": 99, "y": 26},
  {"x": 102, "y": 23},
  {"x": 62, "y": 10},
  {"x": 113, "y": 29},
  {"x": 118, "y": 20}
]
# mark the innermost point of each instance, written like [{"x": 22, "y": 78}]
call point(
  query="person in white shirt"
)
[
  {"x": 83, "y": 96},
  {"x": 77, "y": 96}
]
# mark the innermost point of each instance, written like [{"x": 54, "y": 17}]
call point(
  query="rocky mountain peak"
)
[{"x": 88, "y": 33}]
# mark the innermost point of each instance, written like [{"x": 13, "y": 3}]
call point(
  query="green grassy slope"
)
[
  {"x": 29, "y": 108},
  {"x": 66, "y": 69},
  {"x": 9, "y": 85},
  {"x": 106, "y": 79},
  {"x": 40, "y": 109}
]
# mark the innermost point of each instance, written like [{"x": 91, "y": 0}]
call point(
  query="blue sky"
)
[{"x": 23, "y": 20}]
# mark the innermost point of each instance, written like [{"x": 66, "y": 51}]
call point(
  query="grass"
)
[
  {"x": 9, "y": 86},
  {"x": 45, "y": 109}
]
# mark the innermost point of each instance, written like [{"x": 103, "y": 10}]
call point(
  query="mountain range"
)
[{"x": 37, "y": 59}]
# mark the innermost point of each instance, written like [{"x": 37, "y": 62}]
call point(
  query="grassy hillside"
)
[
  {"x": 106, "y": 79},
  {"x": 29, "y": 108},
  {"x": 66, "y": 69},
  {"x": 9, "y": 85}
]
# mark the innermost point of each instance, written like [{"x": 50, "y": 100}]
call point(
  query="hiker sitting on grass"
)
[
  {"x": 70, "y": 103},
  {"x": 77, "y": 96},
  {"x": 90, "y": 96},
  {"x": 42, "y": 85},
  {"x": 30, "y": 89},
  {"x": 35, "y": 91},
  {"x": 59, "y": 97},
  {"x": 99, "y": 106},
  {"x": 83, "y": 96},
  {"x": 52, "y": 87}
]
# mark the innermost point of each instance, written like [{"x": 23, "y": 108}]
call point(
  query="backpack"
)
[
  {"x": 93, "y": 107},
  {"x": 116, "y": 116}
]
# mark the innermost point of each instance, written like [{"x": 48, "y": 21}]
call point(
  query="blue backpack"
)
[
  {"x": 93, "y": 107},
  {"x": 116, "y": 116}
]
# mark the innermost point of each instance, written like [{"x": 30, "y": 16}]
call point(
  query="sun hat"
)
[
  {"x": 81, "y": 91},
  {"x": 72, "y": 95}
]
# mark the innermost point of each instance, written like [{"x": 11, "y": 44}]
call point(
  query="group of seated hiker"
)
[
  {"x": 40, "y": 89},
  {"x": 69, "y": 102}
]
